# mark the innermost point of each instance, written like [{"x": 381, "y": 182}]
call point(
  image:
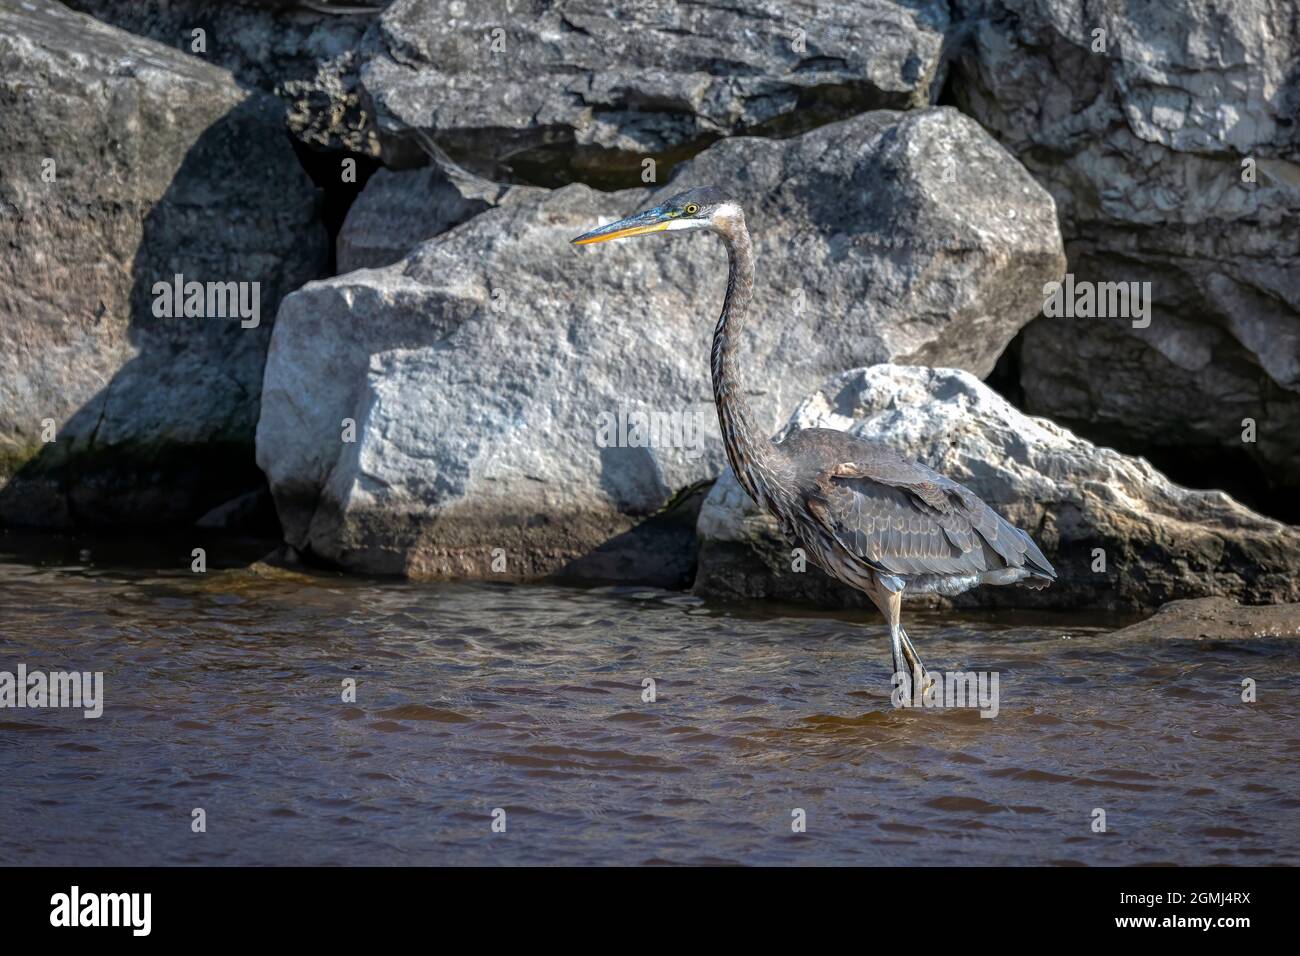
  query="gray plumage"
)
[
  {"x": 900, "y": 520},
  {"x": 866, "y": 514}
]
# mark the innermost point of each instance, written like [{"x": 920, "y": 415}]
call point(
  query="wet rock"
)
[
  {"x": 578, "y": 91},
  {"x": 307, "y": 54},
  {"x": 124, "y": 164},
  {"x": 1119, "y": 533},
  {"x": 1216, "y": 619},
  {"x": 1144, "y": 123},
  {"x": 491, "y": 376}
]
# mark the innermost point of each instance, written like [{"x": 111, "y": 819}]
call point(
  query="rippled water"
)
[{"x": 223, "y": 692}]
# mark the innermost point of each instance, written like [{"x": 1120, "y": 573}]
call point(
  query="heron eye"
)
[{"x": 691, "y": 209}]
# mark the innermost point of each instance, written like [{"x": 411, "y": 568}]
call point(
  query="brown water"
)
[{"x": 223, "y": 692}]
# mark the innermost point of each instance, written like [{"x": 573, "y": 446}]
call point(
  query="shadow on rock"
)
[{"x": 138, "y": 385}]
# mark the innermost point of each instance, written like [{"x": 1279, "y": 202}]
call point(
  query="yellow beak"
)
[
  {"x": 620, "y": 234},
  {"x": 639, "y": 225}
]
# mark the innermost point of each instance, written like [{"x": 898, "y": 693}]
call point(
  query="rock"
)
[
  {"x": 1145, "y": 147},
  {"x": 1160, "y": 542},
  {"x": 253, "y": 511},
  {"x": 307, "y": 54},
  {"x": 123, "y": 164},
  {"x": 478, "y": 372},
  {"x": 1216, "y": 619},
  {"x": 577, "y": 92},
  {"x": 397, "y": 210}
]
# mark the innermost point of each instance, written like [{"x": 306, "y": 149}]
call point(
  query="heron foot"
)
[{"x": 922, "y": 680}]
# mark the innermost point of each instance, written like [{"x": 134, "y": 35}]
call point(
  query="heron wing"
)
[{"x": 900, "y": 517}]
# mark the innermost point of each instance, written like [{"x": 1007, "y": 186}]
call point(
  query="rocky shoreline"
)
[
  {"x": 426, "y": 385},
  {"x": 1216, "y": 619}
]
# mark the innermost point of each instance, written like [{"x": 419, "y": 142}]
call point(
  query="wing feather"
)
[{"x": 898, "y": 516}]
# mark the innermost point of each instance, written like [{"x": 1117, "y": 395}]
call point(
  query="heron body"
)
[{"x": 866, "y": 514}]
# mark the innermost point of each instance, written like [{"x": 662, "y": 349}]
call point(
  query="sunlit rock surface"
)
[
  {"x": 305, "y": 54},
  {"x": 1145, "y": 122},
  {"x": 479, "y": 369},
  {"x": 123, "y": 164},
  {"x": 1119, "y": 533},
  {"x": 397, "y": 210},
  {"x": 582, "y": 90}
]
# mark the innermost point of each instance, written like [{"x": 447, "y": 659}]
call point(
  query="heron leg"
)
[
  {"x": 905, "y": 658},
  {"x": 896, "y": 633},
  {"x": 890, "y": 604},
  {"x": 914, "y": 665}
]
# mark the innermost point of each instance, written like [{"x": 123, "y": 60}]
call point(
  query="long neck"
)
[{"x": 749, "y": 451}]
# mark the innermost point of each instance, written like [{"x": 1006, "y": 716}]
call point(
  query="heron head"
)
[{"x": 704, "y": 207}]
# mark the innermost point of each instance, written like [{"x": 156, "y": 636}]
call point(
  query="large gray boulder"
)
[
  {"x": 1119, "y": 533},
  {"x": 479, "y": 371},
  {"x": 1146, "y": 124},
  {"x": 307, "y": 54},
  {"x": 122, "y": 164},
  {"x": 578, "y": 90}
]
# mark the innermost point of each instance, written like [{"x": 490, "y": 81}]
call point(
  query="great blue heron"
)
[{"x": 866, "y": 514}]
